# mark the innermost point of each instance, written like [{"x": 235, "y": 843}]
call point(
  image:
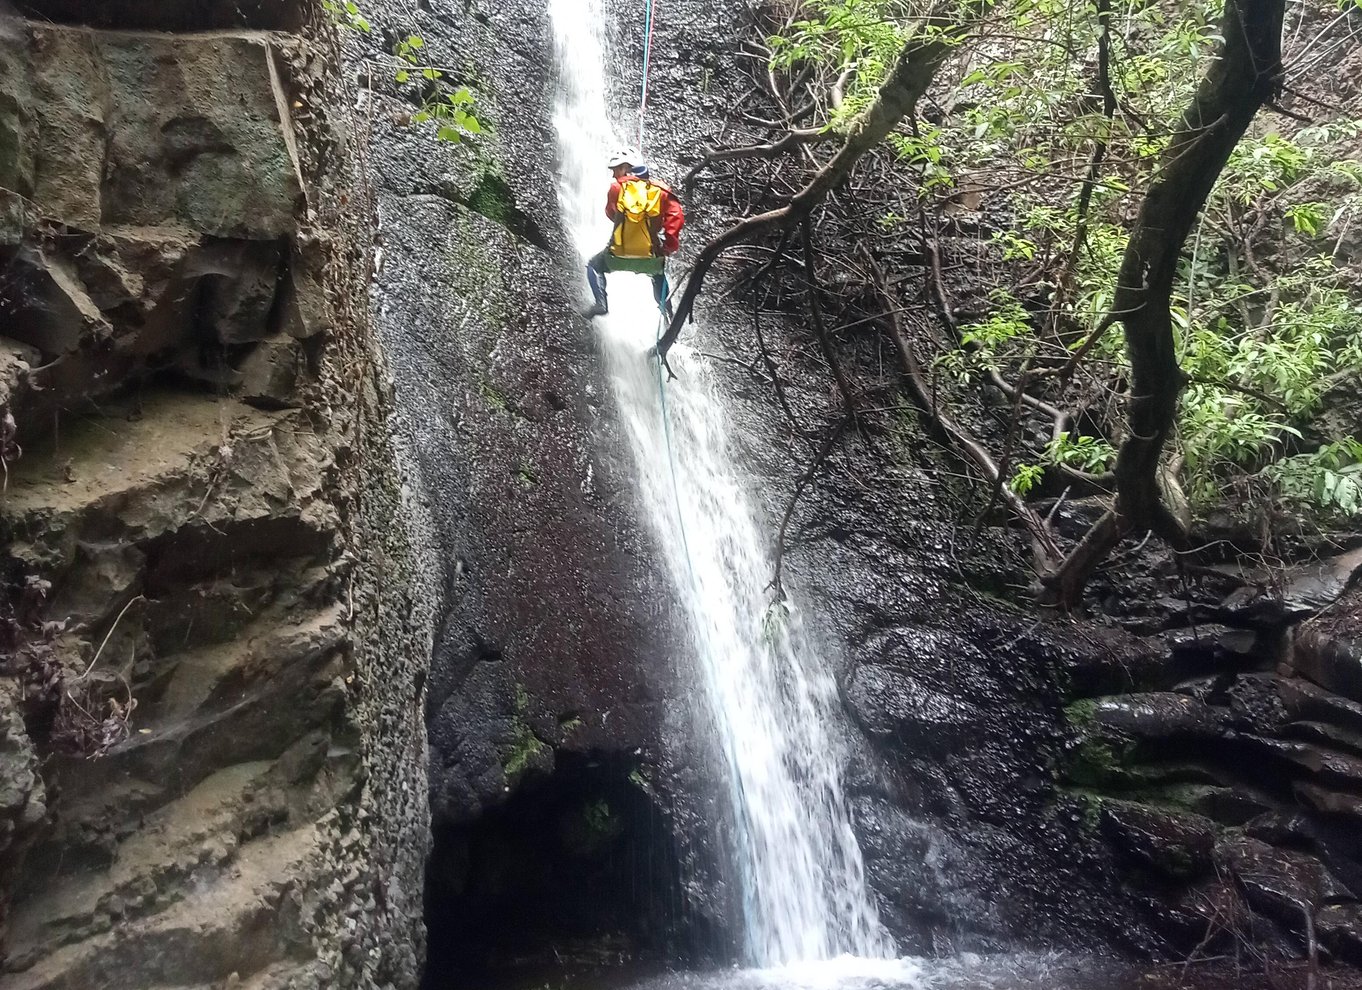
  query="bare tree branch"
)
[{"x": 897, "y": 97}]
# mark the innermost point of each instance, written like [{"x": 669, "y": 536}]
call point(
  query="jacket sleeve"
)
[
  {"x": 673, "y": 219},
  {"x": 611, "y": 198}
]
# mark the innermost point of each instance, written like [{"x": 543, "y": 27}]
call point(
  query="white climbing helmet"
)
[{"x": 625, "y": 156}]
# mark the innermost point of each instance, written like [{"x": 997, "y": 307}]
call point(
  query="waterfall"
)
[{"x": 771, "y": 697}]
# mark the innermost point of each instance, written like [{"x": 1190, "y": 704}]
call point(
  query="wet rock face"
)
[
  {"x": 152, "y": 15},
  {"x": 1258, "y": 755},
  {"x": 509, "y": 428},
  {"x": 202, "y": 779},
  {"x": 558, "y": 636}
]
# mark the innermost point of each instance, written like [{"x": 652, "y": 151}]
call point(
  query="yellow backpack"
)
[{"x": 639, "y": 206}]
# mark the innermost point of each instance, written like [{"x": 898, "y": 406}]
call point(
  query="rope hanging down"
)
[
  {"x": 647, "y": 58},
  {"x": 662, "y": 305}
]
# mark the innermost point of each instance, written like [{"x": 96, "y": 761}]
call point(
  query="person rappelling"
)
[{"x": 648, "y": 218}]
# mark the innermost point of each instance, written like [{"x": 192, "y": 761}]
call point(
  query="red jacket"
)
[{"x": 673, "y": 214}]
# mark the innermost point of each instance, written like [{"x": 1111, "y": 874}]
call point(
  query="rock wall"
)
[
  {"x": 214, "y": 629},
  {"x": 560, "y": 683}
]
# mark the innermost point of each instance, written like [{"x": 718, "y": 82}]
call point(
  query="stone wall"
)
[{"x": 215, "y": 635}]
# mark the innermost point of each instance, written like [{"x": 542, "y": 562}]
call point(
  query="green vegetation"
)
[
  {"x": 599, "y": 819},
  {"x": 450, "y": 108},
  {"x": 525, "y": 745},
  {"x": 1065, "y": 117}
]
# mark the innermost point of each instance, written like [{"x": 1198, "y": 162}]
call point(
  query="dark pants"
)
[{"x": 604, "y": 262}]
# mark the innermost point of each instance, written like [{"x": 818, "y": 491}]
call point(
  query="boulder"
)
[
  {"x": 1305, "y": 701},
  {"x": 1339, "y": 929},
  {"x": 1159, "y": 715},
  {"x": 891, "y": 702},
  {"x": 1332, "y": 659},
  {"x": 1303, "y": 591},
  {"x": 1283, "y": 884}
]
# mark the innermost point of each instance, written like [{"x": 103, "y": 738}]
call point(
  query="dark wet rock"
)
[
  {"x": 890, "y": 702},
  {"x": 560, "y": 638},
  {"x": 1330, "y": 802},
  {"x": 1158, "y": 716},
  {"x": 1309, "y": 702},
  {"x": 1326, "y": 734},
  {"x": 1204, "y": 648},
  {"x": 1333, "y": 660},
  {"x": 1177, "y": 845},
  {"x": 1340, "y": 931},
  {"x": 1284, "y": 884},
  {"x": 1255, "y": 703},
  {"x": 1226, "y": 805},
  {"x": 1299, "y": 593},
  {"x": 1327, "y": 765}
]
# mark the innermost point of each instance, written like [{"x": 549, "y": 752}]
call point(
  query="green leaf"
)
[
  {"x": 402, "y": 75},
  {"x": 449, "y": 133}
]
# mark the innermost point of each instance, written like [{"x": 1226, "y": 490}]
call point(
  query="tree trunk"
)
[{"x": 1247, "y": 75}]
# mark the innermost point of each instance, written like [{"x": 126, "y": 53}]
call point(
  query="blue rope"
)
[
  {"x": 667, "y": 438},
  {"x": 662, "y": 305}
]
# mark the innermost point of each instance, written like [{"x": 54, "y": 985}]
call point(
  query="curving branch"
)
[
  {"x": 908, "y": 80},
  {"x": 816, "y": 313},
  {"x": 789, "y": 142},
  {"x": 961, "y": 439}
]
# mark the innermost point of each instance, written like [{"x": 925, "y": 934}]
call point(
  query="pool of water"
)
[{"x": 966, "y": 972}]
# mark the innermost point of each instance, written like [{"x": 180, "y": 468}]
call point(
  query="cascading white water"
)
[{"x": 771, "y": 697}]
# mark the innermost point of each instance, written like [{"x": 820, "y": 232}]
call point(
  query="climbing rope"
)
[
  {"x": 662, "y": 303},
  {"x": 647, "y": 59}
]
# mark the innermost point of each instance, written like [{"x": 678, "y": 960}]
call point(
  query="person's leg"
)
[
  {"x": 595, "y": 277},
  {"x": 662, "y": 293}
]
